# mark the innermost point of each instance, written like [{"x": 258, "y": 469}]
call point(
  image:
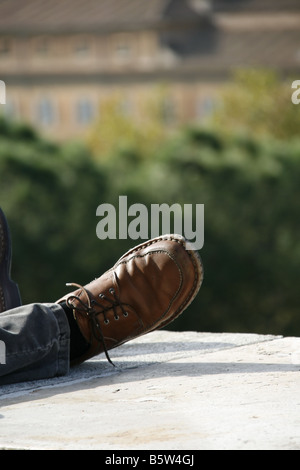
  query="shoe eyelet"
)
[
  {"x": 106, "y": 322},
  {"x": 116, "y": 317},
  {"x": 125, "y": 314}
]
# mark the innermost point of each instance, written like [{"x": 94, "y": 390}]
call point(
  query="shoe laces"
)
[{"x": 93, "y": 308}]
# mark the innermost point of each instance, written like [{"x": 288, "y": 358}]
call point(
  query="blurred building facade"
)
[{"x": 61, "y": 59}]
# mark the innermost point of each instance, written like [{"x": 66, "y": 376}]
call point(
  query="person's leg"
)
[
  {"x": 9, "y": 291},
  {"x": 35, "y": 341},
  {"x": 150, "y": 286}
]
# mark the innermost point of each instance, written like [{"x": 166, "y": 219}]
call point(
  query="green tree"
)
[
  {"x": 250, "y": 189},
  {"x": 251, "y": 252},
  {"x": 258, "y": 101},
  {"x": 118, "y": 130}
]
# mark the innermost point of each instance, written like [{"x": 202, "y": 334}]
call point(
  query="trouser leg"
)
[{"x": 34, "y": 343}]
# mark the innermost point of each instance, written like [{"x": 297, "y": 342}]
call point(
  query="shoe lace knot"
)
[{"x": 93, "y": 307}]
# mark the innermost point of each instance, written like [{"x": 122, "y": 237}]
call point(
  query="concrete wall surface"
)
[{"x": 168, "y": 391}]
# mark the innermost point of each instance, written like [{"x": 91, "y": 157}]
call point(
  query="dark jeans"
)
[{"x": 34, "y": 343}]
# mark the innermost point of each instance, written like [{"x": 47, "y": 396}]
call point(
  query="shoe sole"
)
[
  {"x": 196, "y": 261},
  {"x": 9, "y": 290}
]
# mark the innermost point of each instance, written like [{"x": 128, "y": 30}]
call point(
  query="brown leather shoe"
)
[
  {"x": 9, "y": 291},
  {"x": 150, "y": 286}
]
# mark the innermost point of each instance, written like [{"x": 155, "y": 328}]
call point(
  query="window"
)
[
  {"x": 82, "y": 48},
  {"x": 45, "y": 112},
  {"x": 123, "y": 51},
  {"x": 204, "y": 107},
  {"x": 126, "y": 107},
  {"x": 123, "y": 47},
  {"x": 85, "y": 111},
  {"x": 5, "y": 46},
  {"x": 42, "y": 46},
  {"x": 10, "y": 109},
  {"x": 168, "y": 112}
]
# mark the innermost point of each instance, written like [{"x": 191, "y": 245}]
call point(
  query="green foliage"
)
[
  {"x": 250, "y": 189},
  {"x": 258, "y": 101},
  {"x": 120, "y": 130},
  {"x": 251, "y": 254}
]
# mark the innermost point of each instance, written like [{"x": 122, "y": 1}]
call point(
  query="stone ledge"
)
[{"x": 169, "y": 391}]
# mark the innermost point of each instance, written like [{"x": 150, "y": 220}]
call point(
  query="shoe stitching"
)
[
  {"x": 197, "y": 277},
  {"x": 152, "y": 242},
  {"x": 125, "y": 261},
  {"x": 193, "y": 291},
  {"x": 182, "y": 242}
]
